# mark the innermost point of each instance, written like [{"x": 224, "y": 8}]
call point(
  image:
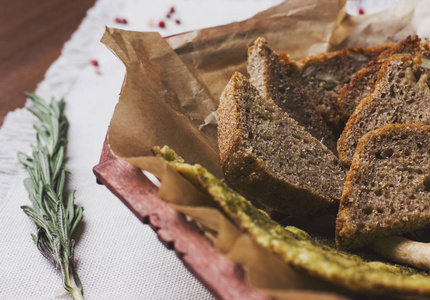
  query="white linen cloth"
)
[{"x": 117, "y": 256}]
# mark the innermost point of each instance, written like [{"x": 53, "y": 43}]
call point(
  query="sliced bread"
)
[
  {"x": 274, "y": 79},
  {"x": 387, "y": 191},
  {"x": 363, "y": 81},
  {"x": 401, "y": 95},
  {"x": 323, "y": 75},
  {"x": 268, "y": 157}
]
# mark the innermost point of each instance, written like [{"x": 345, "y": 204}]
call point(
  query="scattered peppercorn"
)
[
  {"x": 361, "y": 11},
  {"x": 94, "y": 62},
  {"x": 120, "y": 21},
  {"x": 178, "y": 21},
  {"x": 161, "y": 24},
  {"x": 168, "y": 16},
  {"x": 172, "y": 9}
]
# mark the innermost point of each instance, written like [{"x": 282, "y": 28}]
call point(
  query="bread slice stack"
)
[
  {"x": 276, "y": 132},
  {"x": 269, "y": 157},
  {"x": 275, "y": 79},
  {"x": 386, "y": 144},
  {"x": 323, "y": 75},
  {"x": 364, "y": 80},
  {"x": 401, "y": 95}
]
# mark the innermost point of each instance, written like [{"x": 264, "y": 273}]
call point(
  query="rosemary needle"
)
[{"x": 55, "y": 216}]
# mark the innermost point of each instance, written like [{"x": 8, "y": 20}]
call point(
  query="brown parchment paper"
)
[
  {"x": 299, "y": 28},
  {"x": 171, "y": 92}
]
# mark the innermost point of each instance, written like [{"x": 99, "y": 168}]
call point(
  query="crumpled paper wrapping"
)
[
  {"x": 171, "y": 93},
  {"x": 390, "y": 26}
]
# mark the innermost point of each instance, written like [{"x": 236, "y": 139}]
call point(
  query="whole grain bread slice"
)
[
  {"x": 323, "y": 75},
  {"x": 401, "y": 95},
  {"x": 274, "y": 78},
  {"x": 268, "y": 157},
  {"x": 363, "y": 81},
  {"x": 387, "y": 191}
]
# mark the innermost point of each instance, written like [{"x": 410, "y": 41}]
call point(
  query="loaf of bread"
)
[
  {"x": 387, "y": 190},
  {"x": 401, "y": 95},
  {"x": 274, "y": 78},
  {"x": 323, "y": 75},
  {"x": 364, "y": 80},
  {"x": 268, "y": 157}
]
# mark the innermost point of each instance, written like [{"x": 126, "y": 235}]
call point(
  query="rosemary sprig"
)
[{"x": 56, "y": 217}]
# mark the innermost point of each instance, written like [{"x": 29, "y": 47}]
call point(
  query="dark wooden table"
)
[{"x": 32, "y": 34}]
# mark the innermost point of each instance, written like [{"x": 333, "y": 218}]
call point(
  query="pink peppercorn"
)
[
  {"x": 361, "y": 11},
  {"x": 161, "y": 24},
  {"x": 172, "y": 9},
  {"x": 94, "y": 62},
  {"x": 120, "y": 21},
  {"x": 178, "y": 21}
]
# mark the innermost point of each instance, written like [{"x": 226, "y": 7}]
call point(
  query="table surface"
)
[{"x": 32, "y": 34}]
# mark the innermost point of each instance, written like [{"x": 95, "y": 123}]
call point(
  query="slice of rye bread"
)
[
  {"x": 401, "y": 95},
  {"x": 363, "y": 81},
  {"x": 387, "y": 191},
  {"x": 275, "y": 80},
  {"x": 323, "y": 75},
  {"x": 268, "y": 157}
]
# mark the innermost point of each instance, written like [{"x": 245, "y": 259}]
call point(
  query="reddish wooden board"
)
[{"x": 223, "y": 277}]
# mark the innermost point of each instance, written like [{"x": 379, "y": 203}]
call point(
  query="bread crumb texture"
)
[
  {"x": 268, "y": 157},
  {"x": 362, "y": 82},
  {"x": 323, "y": 75},
  {"x": 401, "y": 95},
  {"x": 387, "y": 190},
  {"x": 275, "y": 79}
]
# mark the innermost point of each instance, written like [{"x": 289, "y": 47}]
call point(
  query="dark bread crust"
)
[
  {"x": 275, "y": 79},
  {"x": 361, "y": 85},
  {"x": 387, "y": 190},
  {"x": 401, "y": 95},
  {"x": 323, "y": 75},
  {"x": 358, "y": 54},
  {"x": 254, "y": 175},
  {"x": 363, "y": 81}
]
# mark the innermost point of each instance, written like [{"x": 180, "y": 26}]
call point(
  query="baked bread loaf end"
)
[
  {"x": 387, "y": 191},
  {"x": 268, "y": 157}
]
